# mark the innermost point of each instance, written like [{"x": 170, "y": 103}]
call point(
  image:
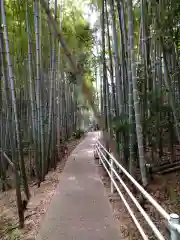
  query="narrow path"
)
[{"x": 80, "y": 209}]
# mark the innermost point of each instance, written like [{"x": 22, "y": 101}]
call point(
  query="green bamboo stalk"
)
[
  {"x": 13, "y": 94},
  {"x": 135, "y": 95}
]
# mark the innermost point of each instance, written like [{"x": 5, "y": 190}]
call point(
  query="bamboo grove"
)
[
  {"x": 139, "y": 86},
  {"x": 139, "y": 89},
  {"x": 40, "y": 104},
  {"x": 47, "y": 64}
]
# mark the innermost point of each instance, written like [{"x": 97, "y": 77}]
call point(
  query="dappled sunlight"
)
[
  {"x": 87, "y": 150},
  {"x": 90, "y": 151}
]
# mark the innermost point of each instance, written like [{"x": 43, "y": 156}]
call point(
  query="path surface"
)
[{"x": 80, "y": 209}]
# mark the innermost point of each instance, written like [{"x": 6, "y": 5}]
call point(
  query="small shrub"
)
[
  {"x": 15, "y": 235},
  {"x": 78, "y": 134}
]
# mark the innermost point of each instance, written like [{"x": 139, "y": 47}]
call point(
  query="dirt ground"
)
[
  {"x": 37, "y": 206},
  {"x": 165, "y": 190}
]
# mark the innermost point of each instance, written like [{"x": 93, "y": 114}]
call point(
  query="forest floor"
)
[
  {"x": 165, "y": 190},
  {"x": 37, "y": 206}
]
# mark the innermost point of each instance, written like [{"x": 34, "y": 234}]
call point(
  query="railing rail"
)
[{"x": 173, "y": 220}]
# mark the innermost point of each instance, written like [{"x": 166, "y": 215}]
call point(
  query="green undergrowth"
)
[{"x": 14, "y": 235}]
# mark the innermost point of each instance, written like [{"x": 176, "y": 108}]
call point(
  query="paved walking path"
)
[{"x": 80, "y": 209}]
